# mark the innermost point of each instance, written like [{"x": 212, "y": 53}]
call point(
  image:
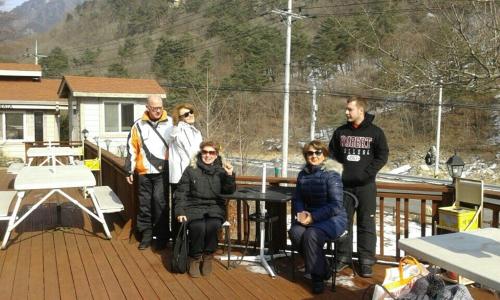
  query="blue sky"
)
[{"x": 10, "y": 4}]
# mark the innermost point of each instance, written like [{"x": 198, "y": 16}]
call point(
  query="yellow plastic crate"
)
[
  {"x": 92, "y": 164},
  {"x": 457, "y": 218}
]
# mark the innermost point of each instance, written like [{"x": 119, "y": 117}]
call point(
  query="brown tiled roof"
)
[
  {"x": 46, "y": 89},
  {"x": 20, "y": 67},
  {"x": 111, "y": 85}
]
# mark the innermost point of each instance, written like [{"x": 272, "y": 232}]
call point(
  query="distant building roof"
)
[
  {"x": 29, "y": 91},
  {"x": 20, "y": 70},
  {"x": 80, "y": 86}
]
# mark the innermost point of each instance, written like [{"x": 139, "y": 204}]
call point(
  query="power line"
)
[
  {"x": 369, "y": 3},
  {"x": 334, "y": 94}
]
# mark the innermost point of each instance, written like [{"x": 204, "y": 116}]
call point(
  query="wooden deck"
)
[{"x": 75, "y": 261}]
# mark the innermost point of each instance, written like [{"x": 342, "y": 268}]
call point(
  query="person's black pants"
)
[
  {"x": 153, "y": 205},
  {"x": 203, "y": 236},
  {"x": 310, "y": 242},
  {"x": 365, "y": 223}
]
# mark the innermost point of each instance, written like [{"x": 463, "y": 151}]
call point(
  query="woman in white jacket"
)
[{"x": 184, "y": 143}]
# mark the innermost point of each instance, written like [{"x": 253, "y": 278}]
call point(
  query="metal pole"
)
[
  {"x": 286, "y": 100},
  {"x": 314, "y": 108},
  {"x": 36, "y": 52},
  {"x": 438, "y": 132}
]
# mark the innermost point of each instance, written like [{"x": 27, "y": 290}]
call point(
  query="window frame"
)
[
  {"x": 4, "y": 125},
  {"x": 120, "y": 103}
]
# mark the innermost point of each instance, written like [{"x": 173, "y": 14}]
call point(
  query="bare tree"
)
[
  {"x": 211, "y": 106},
  {"x": 454, "y": 44}
]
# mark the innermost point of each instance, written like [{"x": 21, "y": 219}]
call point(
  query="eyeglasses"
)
[
  {"x": 317, "y": 152},
  {"x": 205, "y": 152},
  {"x": 186, "y": 114},
  {"x": 160, "y": 108}
]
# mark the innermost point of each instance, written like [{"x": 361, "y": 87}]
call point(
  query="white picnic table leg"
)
[{"x": 12, "y": 219}]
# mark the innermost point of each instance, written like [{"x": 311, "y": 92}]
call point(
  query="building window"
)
[
  {"x": 118, "y": 117},
  {"x": 127, "y": 118},
  {"x": 14, "y": 129}
]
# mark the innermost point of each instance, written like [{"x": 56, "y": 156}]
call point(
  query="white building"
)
[
  {"x": 106, "y": 107},
  {"x": 29, "y": 108}
]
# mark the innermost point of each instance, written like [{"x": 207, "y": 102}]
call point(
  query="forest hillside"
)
[{"x": 227, "y": 57}]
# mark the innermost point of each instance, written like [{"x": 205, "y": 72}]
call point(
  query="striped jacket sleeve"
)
[{"x": 133, "y": 149}]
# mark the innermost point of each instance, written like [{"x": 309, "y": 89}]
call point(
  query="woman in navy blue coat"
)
[{"x": 317, "y": 206}]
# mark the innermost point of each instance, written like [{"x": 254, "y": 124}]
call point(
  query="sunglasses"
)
[
  {"x": 317, "y": 152},
  {"x": 186, "y": 114},
  {"x": 213, "y": 153}
]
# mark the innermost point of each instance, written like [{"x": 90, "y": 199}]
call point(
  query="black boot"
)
[
  {"x": 147, "y": 237},
  {"x": 318, "y": 285}
]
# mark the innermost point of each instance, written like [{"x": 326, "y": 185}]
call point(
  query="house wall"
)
[
  {"x": 14, "y": 149},
  {"x": 29, "y": 126},
  {"x": 92, "y": 118},
  {"x": 51, "y": 127}
]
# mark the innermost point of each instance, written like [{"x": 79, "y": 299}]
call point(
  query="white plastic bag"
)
[{"x": 399, "y": 280}]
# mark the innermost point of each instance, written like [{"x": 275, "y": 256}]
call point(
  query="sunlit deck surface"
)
[{"x": 75, "y": 261}]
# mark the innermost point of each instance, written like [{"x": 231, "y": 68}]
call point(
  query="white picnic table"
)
[
  {"x": 52, "y": 153},
  {"x": 54, "y": 179},
  {"x": 472, "y": 254}
]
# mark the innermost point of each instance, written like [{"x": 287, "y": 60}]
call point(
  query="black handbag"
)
[{"x": 180, "y": 256}]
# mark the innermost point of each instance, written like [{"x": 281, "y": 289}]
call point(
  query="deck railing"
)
[{"x": 404, "y": 203}]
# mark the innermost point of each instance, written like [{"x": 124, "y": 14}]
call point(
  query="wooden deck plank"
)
[
  {"x": 151, "y": 276},
  {"x": 220, "y": 286},
  {"x": 207, "y": 289},
  {"x": 264, "y": 282},
  {"x": 35, "y": 280},
  {"x": 227, "y": 277},
  {"x": 9, "y": 270},
  {"x": 108, "y": 277},
  {"x": 21, "y": 285},
  {"x": 51, "y": 264},
  {"x": 134, "y": 271},
  {"x": 80, "y": 280},
  {"x": 94, "y": 279},
  {"x": 126, "y": 283},
  {"x": 187, "y": 283},
  {"x": 158, "y": 264}
]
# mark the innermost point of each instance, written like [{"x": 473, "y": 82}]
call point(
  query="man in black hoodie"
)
[{"x": 361, "y": 148}]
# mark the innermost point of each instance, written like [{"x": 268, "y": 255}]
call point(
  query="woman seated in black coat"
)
[
  {"x": 198, "y": 202},
  {"x": 318, "y": 207}
]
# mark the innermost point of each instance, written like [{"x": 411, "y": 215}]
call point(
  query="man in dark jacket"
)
[{"x": 361, "y": 148}]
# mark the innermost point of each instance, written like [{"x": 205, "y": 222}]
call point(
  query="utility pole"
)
[
  {"x": 314, "y": 106},
  {"x": 35, "y": 55},
  {"x": 286, "y": 101},
  {"x": 438, "y": 131}
]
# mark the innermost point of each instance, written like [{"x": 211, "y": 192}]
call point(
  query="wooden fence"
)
[{"x": 401, "y": 197}]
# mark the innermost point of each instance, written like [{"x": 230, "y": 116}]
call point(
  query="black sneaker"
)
[
  {"x": 366, "y": 271},
  {"x": 144, "y": 244},
  {"x": 341, "y": 266},
  {"x": 147, "y": 237}
]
